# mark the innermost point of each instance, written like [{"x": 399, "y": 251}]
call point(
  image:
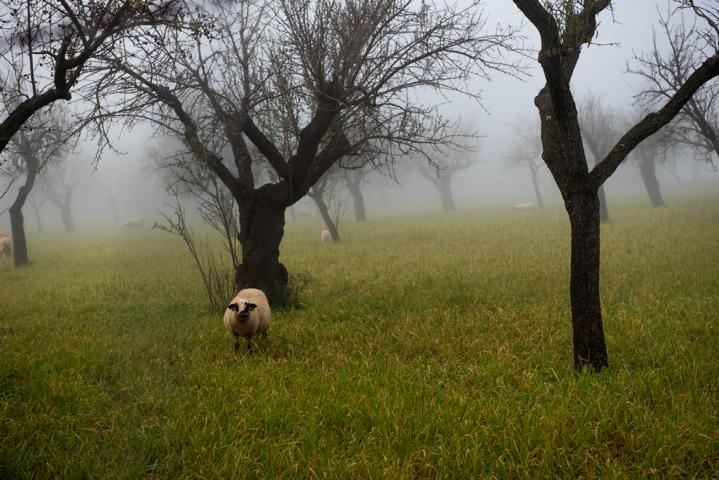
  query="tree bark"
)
[
  {"x": 357, "y": 200},
  {"x": 540, "y": 204},
  {"x": 65, "y": 207},
  {"x": 590, "y": 349},
  {"x": 263, "y": 223},
  {"x": 17, "y": 222},
  {"x": 649, "y": 176},
  {"x": 325, "y": 213}
]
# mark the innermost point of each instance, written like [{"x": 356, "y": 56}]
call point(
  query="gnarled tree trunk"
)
[
  {"x": 263, "y": 225},
  {"x": 649, "y": 175}
]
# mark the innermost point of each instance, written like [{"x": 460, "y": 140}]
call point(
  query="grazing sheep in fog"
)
[
  {"x": 326, "y": 236},
  {"x": 5, "y": 246},
  {"x": 133, "y": 223},
  {"x": 524, "y": 206},
  {"x": 247, "y": 314}
]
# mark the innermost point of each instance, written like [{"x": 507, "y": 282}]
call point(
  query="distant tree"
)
[
  {"x": 354, "y": 178},
  {"x": 648, "y": 153},
  {"x": 667, "y": 70},
  {"x": 526, "y": 152},
  {"x": 447, "y": 162},
  {"x": 600, "y": 132},
  {"x": 304, "y": 83},
  {"x": 564, "y": 26},
  {"x": 328, "y": 195},
  {"x": 31, "y": 149},
  {"x": 58, "y": 183}
]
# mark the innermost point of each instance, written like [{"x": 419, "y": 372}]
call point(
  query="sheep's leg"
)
[
  {"x": 249, "y": 343},
  {"x": 237, "y": 343}
]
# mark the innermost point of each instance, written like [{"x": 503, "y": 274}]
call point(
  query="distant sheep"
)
[
  {"x": 5, "y": 246},
  {"x": 132, "y": 223},
  {"x": 246, "y": 315},
  {"x": 326, "y": 236},
  {"x": 524, "y": 206}
]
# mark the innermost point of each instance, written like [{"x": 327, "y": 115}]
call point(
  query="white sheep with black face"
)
[{"x": 247, "y": 315}]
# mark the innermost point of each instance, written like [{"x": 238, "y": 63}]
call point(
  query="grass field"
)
[{"x": 426, "y": 347}]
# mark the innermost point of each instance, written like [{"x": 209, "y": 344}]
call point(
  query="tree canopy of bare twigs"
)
[
  {"x": 526, "y": 152},
  {"x": 294, "y": 87},
  {"x": 665, "y": 70},
  {"x": 49, "y": 43}
]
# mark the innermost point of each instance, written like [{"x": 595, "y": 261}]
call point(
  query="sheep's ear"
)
[
  {"x": 251, "y": 306},
  {"x": 233, "y": 306}
]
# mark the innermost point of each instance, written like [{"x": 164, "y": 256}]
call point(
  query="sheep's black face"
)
[{"x": 244, "y": 314}]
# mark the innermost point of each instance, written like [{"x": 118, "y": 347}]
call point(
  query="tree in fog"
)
[
  {"x": 598, "y": 123},
  {"x": 564, "y": 26},
  {"x": 665, "y": 70},
  {"x": 648, "y": 154},
  {"x": 58, "y": 183},
  {"x": 40, "y": 142},
  {"x": 329, "y": 196},
  {"x": 300, "y": 84},
  {"x": 440, "y": 165},
  {"x": 48, "y": 43},
  {"x": 354, "y": 179},
  {"x": 526, "y": 152}
]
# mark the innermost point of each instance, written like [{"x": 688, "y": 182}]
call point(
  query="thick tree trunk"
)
[
  {"x": 357, "y": 200},
  {"x": 446, "y": 193},
  {"x": 324, "y": 212},
  {"x": 649, "y": 176},
  {"x": 17, "y": 222},
  {"x": 262, "y": 229},
  {"x": 590, "y": 349},
  {"x": 540, "y": 204},
  {"x": 603, "y": 210}
]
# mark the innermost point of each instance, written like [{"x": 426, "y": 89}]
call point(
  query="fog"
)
[{"x": 129, "y": 176}]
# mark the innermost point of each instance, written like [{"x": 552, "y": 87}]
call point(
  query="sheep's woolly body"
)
[
  {"x": 5, "y": 246},
  {"x": 326, "y": 236},
  {"x": 258, "y": 320}
]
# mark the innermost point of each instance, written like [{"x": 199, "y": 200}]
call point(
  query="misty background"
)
[{"x": 127, "y": 183}]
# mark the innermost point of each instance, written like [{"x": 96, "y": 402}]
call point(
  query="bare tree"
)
[
  {"x": 598, "y": 123},
  {"x": 58, "y": 183},
  {"x": 564, "y": 27},
  {"x": 328, "y": 195},
  {"x": 526, "y": 152},
  {"x": 354, "y": 178},
  {"x": 296, "y": 86},
  {"x": 697, "y": 124},
  {"x": 39, "y": 143},
  {"x": 48, "y": 43}
]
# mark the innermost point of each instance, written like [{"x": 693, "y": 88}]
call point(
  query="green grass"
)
[{"x": 426, "y": 347}]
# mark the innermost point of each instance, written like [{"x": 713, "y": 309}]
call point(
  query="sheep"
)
[
  {"x": 524, "y": 206},
  {"x": 326, "y": 236},
  {"x": 5, "y": 246},
  {"x": 247, "y": 314},
  {"x": 133, "y": 223}
]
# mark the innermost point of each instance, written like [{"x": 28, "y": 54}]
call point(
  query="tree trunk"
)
[
  {"x": 66, "y": 210},
  {"x": 603, "y": 210},
  {"x": 357, "y": 200},
  {"x": 590, "y": 349},
  {"x": 262, "y": 229},
  {"x": 649, "y": 175},
  {"x": 38, "y": 219},
  {"x": 17, "y": 223},
  {"x": 324, "y": 211},
  {"x": 540, "y": 204},
  {"x": 446, "y": 193}
]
